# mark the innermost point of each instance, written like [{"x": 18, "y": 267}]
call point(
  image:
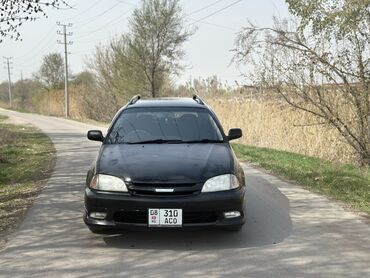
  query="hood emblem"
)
[{"x": 162, "y": 190}]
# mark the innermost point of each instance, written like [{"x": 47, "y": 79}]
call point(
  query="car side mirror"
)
[
  {"x": 234, "y": 133},
  {"x": 95, "y": 135}
]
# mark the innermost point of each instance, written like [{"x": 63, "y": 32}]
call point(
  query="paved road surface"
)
[{"x": 290, "y": 232}]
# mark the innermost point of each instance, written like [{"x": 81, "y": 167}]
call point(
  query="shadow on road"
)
[
  {"x": 57, "y": 217},
  {"x": 267, "y": 224}
]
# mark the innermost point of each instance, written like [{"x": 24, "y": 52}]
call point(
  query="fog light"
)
[
  {"x": 231, "y": 214},
  {"x": 98, "y": 215}
]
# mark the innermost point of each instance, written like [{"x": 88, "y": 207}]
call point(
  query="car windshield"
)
[{"x": 164, "y": 125}]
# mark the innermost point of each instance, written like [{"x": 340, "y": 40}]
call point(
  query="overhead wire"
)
[
  {"x": 84, "y": 11},
  {"x": 31, "y": 62},
  {"x": 195, "y": 21},
  {"x": 93, "y": 18},
  {"x": 38, "y": 45},
  {"x": 110, "y": 23},
  {"x": 218, "y": 25},
  {"x": 119, "y": 19},
  {"x": 215, "y": 12},
  {"x": 205, "y": 7}
]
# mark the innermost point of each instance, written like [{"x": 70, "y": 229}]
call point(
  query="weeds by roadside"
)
[
  {"x": 343, "y": 182},
  {"x": 26, "y": 160}
]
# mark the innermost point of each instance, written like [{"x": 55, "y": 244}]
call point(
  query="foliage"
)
[
  {"x": 116, "y": 73},
  {"x": 51, "y": 73},
  {"x": 4, "y": 94},
  {"x": 144, "y": 59},
  {"x": 13, "y": 13},
  {"x": 331, "y": 16},
  {"x": 23, "y": 91},
  {"x": 157, "y": 33},
  {"x": 321, "y": 65},
  {"x": 83, "y": 78}
]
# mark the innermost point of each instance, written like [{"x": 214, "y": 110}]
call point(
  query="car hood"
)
[{"x": 182, "y": 163}]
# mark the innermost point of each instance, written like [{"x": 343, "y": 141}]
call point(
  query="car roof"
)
[{"x": 166, "y": 102}]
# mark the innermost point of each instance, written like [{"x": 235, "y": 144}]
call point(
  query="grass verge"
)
[
  {"x": 343, "y": 182},
  {"x": 27, "y": 158}
]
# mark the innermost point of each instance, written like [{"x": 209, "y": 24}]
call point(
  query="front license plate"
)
[{"x": 165, "y": 217}]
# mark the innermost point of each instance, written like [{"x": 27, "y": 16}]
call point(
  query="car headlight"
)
[
  {"x": 221, "y": 183},
  {"x": 108, "y": 183}
]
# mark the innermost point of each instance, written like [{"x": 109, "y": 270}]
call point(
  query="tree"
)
[
  {"x": 320, "y": 66},
  {"x": 143, "y": 60},
  {"x": 23, "y": 92},
  {"x": 116, "y": 72},
  {"x": 13, "y": 13},
  {"x": 83, "y": 78},
  {"x": 157, "y": 32},
  {"x": 51, "y": 73},
  {"x": 4, "y": 91}
]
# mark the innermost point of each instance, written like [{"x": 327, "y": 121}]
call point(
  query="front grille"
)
[
  {"x": 188, "y": 217},
  {"x": 148, "y": 189}
]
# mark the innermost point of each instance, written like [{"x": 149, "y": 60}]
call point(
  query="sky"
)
[{"x": 95, "y": 22}]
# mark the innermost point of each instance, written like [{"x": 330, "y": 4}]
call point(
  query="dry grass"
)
[
  {"x": 84, "y": 104},
  {"x": 278, "y": 126},
  {"x": 265, "y": 123},
  {"x": 52, "y": 103}
]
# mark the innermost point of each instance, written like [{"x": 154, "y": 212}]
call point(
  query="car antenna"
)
[
  {"x": 134, "y": 99},
  {"x": 196, "y": 97}
]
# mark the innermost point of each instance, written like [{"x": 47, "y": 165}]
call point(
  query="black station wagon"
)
[{"x": 165, "y": 163}]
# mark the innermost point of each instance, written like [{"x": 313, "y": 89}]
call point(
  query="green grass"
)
[
  {"x": 343, "y": 182},
  {"x": 27, "y": 158}
]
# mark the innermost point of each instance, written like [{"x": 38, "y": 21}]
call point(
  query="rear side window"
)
[{"x": 182, "y": 124}]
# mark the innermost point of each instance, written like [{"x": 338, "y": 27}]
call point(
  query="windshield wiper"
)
[
  {"x": 204, "y": 141},
  {"x": 156, "y": 141}
]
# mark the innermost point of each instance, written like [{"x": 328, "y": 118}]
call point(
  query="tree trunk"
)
[{"x": 153, "y": 88}]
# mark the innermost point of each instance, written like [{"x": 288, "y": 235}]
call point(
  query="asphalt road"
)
[{"x": 290, "y": 232}]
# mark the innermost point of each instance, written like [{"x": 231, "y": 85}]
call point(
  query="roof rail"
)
[
  {"x": 134, "y": 99},
  {"x": 198, "y": 99}
]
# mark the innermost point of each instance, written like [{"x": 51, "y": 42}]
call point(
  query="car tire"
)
[{"x": 235, "y": 228}]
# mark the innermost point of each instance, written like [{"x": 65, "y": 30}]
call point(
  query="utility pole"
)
[
  {"x": 8, "y": 63},
  {"x": 65, "y": 42}
]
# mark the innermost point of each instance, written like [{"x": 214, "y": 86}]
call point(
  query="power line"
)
[
  {"x": 86, "y": 34},
  {"x": 84, "y": 11},
  {"x": 37, "y": 46},
  {"x": 218, "y": 25},
  {"x": 65, "y": 42},
  {"x": 216, "y": 12},
  {"x": 110, "y": 23},
  {"x": 91, "y": 19},
  {"x": 8, "y": 63},
  {"x": 205, "y": 7},
  {"x": 126, "y": 2},
  {"x": 209, "y": 23},
  {"x": 42, "y": 47},
  {"x": 31, "y": 62}
]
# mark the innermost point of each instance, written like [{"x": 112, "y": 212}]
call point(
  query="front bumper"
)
[{"x": 125, "y": 211}]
